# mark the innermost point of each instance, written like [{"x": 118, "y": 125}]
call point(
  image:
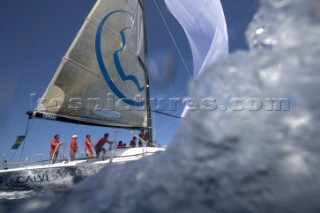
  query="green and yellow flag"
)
[{"x": 18, "y": 142}]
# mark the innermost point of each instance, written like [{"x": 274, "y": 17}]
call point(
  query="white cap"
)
[{"x": 74, "y": 136}]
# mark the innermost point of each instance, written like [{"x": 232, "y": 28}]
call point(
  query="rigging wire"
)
[
  {"x": 13, "y": 155},
  {"x": 177, "y": 48},
  {"x": 26, "y": 132},
  {"x": 154, "y": 126},
  {"x": 173, "y": 40},
  {"x": 24, "y": 141},
  {"x": 163, "y": 128},
  {"x": 167, "y": 114}
]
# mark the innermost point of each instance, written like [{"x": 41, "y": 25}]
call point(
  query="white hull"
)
[{"x": 62, "y": 176}]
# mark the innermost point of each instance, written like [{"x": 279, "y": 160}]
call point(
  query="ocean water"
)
[
  {"x": 10, "y": 201},
  {"x": 258, "y": 151}
]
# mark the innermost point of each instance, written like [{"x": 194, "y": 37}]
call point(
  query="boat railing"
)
[
  {"x": 83, "y": 155},
  {"x": 4, "y": 162},
  {"x": 66, "y": 156},
  {"x": 9, "y": 165},
  {"x": 63, "y": 156},
  {"x": 36, "y": 159}
]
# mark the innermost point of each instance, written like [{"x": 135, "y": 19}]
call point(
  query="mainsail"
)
[{"x": 102, "y": 78}]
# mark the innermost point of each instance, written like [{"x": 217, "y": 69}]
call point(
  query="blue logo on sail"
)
[{"x": 117, "y": 62}]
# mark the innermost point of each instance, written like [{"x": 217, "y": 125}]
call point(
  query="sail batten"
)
[
  {"x": 100, "y": 80},
  {"x": 80, "y": 65}
]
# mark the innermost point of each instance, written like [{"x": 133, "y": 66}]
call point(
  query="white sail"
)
[
  {"x": 101, "y": 79},
  {"x": 204, "y": 23}
]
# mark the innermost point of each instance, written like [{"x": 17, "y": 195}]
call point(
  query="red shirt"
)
[
  {"x": 132, "y": 143},
  {"x": 53, "y": 145},
  {"x": 88, "y": 145},
  {"x": 73, "y": 145},
  {"x": 142, "y": 136},
  {"x": 102, "y": 141},
  {"x": 121, "y": 146}
]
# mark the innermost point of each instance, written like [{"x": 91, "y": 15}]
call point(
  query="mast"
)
[{"x": 145, "y": 64}]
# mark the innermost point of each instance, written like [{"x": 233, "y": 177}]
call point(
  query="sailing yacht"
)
[{"x": 103, "y": 81}]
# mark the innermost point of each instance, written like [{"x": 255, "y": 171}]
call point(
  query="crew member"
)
[
  {"x": 88, "y": 145},
  {"x": 54, "y": 148},
  {"x": 73, "y": 147},
  {"x": 133, "y": 142},
  {"x": 99, "y": 145}
]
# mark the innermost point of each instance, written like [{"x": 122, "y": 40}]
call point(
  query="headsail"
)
[
  {"x": 204, "y": 23},
  {"x": 101, "y": 79}
]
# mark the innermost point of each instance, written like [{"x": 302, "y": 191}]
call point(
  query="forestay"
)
[{"x": 101, "y": 79}]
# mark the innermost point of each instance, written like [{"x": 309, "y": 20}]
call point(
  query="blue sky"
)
[{"x": 34, "y": 36}]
